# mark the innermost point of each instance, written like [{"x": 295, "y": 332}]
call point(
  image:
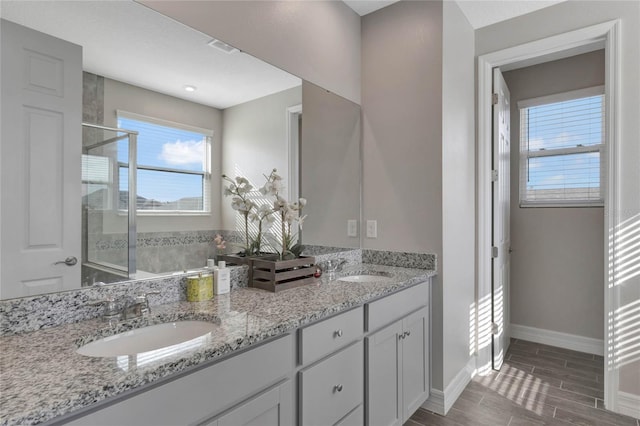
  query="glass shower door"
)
[{"x": 108, "y": 213}]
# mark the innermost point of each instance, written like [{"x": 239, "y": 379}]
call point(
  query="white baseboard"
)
[
  {"x": 440, "y": 402},
  {"x": 435, "y": 402},
  {"x": 629, "y": 404},
  {"x": 558, "y": 339}
]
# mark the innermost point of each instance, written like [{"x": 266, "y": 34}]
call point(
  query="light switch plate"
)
[
  {"x": 372, "y": 229},
  {"x": 352, "y": 228}
]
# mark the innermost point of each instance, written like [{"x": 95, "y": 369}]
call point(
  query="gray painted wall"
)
[
  {"x": 402, "y": 126},
  {"x": 571, "y": 15},
  {"x": 122, "y": 96},
  {"x": 419, "y": 155},
  {"x": 318, "y": 41},
  {"x": 458, "y": 189},
  {"x": 254, "y": 141},
  {"x": 330, "y": 167},
  {"x": 557, "y": 261}
]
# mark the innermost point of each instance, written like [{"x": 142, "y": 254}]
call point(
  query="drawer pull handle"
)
[
  {"x": 337, "y": 388},
  {"x": 337, "y": 333},
  {"x": 404, "y": 335}
]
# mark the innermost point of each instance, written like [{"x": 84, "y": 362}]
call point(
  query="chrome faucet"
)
[
  {"x": 133, "y": 308},
  {"x": 333, "y": 265},
  {"x": 140, "y": 306},
  {"x": 110, "y": 312}
]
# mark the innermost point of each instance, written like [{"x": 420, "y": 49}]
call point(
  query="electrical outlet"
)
[
  {"x": 372, "y": 229},
  {"x": 352, "y": 228}
]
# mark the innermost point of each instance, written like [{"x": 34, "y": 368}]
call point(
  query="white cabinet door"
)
[
  {"x": 383, "y": 361},
  {"x": 40, "y": 155},
  {"x": 398, "y": 370},
  {"x": 415, "y": 362},
  {"x": 271, "y": 408}
]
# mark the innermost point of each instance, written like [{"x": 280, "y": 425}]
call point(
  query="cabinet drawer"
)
[
  {"x": 329, "y": 335},
  {"x": 331, "y": 389},
  {"x": 271, "y": 408},
  {"x": 354, "y": 418},
  {"x": 388, "y": 309}
]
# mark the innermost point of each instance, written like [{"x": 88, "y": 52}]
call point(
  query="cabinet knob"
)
[
  {"x": 337, "y": 333},
  {"x": 407, "y": 333},
  {"x": 401, "y": 336},
  {"x": 337, "y": 388}
]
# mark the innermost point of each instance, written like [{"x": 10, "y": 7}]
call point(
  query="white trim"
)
[
  {"x": 558, "y": 339},
  {"x": 613, "y": 69},
  {"x": 629, "y": 404},
  {"x": 435, "y": 402},
  {"x": 609, "y": 33},
  {"x": 441, "y": 402},
  {"x": 293, "y": 151}
]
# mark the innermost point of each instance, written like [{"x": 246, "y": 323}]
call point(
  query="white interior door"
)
[
  {"x": 40, "y": 159},
  {"x": 501, "y": 239}
]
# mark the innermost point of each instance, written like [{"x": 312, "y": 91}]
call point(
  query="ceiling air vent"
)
[{"x": 220, "y": 45}]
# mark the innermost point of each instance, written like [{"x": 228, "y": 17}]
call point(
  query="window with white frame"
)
[
  {"x": 173, "y": 162},
  {"x": 562, "y": 149}
]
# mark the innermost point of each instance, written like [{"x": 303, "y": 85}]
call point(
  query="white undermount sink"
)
[
  {"x": 366, "y": 278},
  {"x": 148, "y": 338}
]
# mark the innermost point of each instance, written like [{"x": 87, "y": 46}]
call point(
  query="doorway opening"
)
[{"x": 568, "y": 44}]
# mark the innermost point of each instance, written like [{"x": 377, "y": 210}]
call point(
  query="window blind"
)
[
  {"x": 173, "y": 165},
  {"x": 561, "y": 150}
]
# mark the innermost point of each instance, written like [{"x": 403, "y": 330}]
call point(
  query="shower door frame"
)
[{"x": 132, "y": 188}]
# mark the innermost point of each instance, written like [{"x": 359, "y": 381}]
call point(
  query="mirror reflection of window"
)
[
  {"x": 96, "y": 181},
  {"x": 173, "y": 164}
]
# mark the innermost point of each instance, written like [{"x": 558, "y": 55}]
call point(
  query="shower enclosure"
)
[{"x": 108, "y": 204}]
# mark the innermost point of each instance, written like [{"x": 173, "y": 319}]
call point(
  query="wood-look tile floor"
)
[{"x": 537, "y": 385}]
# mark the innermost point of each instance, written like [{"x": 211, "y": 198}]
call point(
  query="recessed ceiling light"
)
[
  {"x": 190, "y": 88},
  {"x": 221, "y": 45}
]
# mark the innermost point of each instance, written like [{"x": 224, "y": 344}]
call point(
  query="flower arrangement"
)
[{"x": 264, "y": 215}]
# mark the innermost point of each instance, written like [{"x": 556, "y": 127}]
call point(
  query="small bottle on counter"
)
[
  {"x": 211, "y": 264},
  {"x": 221, "y": 278}
]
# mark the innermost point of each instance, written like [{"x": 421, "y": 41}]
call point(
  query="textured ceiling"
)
[
  {"x": 126, "y": 41},
  {"x": 481, "y": 13}
]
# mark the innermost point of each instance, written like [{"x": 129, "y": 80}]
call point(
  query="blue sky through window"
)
[
  {"x": 560, "y": 125},
  {"x": 168, "y": 148}
]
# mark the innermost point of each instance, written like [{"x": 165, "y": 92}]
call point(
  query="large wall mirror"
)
[{"x": 219, "y": 111}]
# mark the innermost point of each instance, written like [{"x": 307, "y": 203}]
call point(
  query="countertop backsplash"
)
[{"x": 50, "y": 310}]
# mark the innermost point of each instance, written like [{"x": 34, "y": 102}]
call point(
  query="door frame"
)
[
  {"x": 609, "y": 33},
  {"x": 293, "y": 151}
]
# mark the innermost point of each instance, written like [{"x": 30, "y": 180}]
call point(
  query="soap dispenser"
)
[{"x": 221, "y": 278}]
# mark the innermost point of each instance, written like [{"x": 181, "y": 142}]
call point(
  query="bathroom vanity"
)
[{"x": 334, "y": 353}]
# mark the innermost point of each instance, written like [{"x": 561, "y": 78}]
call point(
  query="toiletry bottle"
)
[
  {"x": 199, "y": 288},
  {"x": 221, "y": 279}
]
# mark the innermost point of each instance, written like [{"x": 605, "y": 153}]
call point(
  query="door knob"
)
[{"x": 69, "y": 261}]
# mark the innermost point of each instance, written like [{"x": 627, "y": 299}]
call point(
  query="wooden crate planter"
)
[
  {"x": 277, "y": 275},
  {"x": 233, "y": 259}
]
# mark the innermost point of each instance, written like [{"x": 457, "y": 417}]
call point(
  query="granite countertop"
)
[{"x": 42, "y": 376}]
